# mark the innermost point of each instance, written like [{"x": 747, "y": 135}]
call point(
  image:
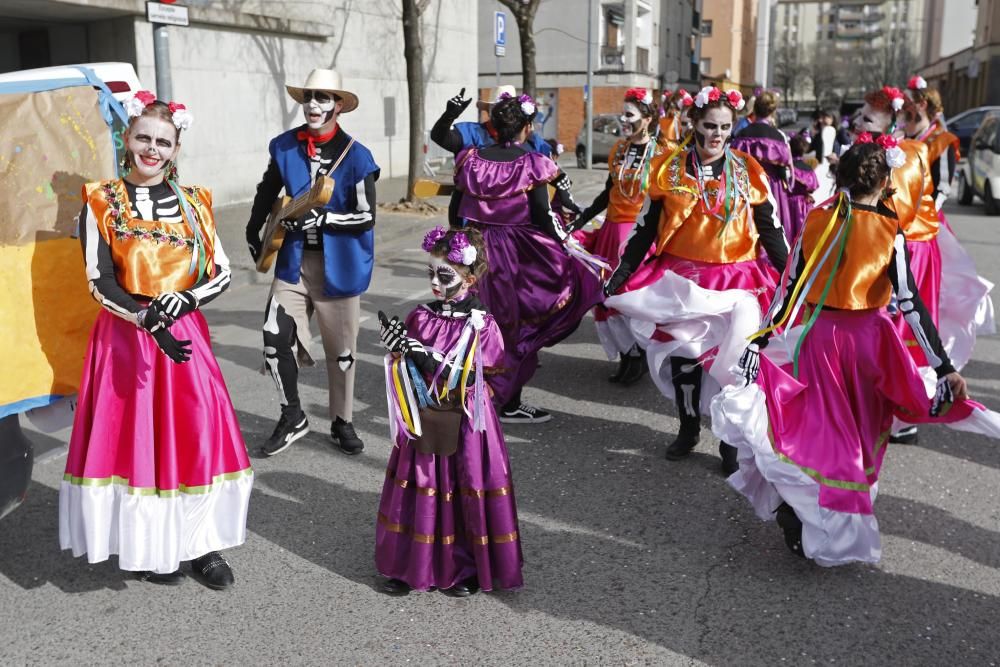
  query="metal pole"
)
[
  {"x": 589, "y": 117},
  {"x": 161, "y": 60},
  {"x": 495, "y": 54}
]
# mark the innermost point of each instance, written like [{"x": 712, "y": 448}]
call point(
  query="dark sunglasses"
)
[{"x": 320, "y": 96}]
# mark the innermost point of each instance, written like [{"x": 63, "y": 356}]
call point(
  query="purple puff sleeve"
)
[
  {"x": 491, "y": 344},
  {"x": 764, "y": 149}
]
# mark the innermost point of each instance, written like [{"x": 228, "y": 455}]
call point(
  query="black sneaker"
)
[
  {"x": 168, "y": 579},
  {"x": 636, "y": 368},
  {"x": 463, "y": 589},
  {"x": 345, "y": 437},
  {"x": 213, "y": 571},
  {"x": 288, "y": 430},
  {"x": 905, "y": 436},
  {"x": 791, "y": 525},
  {"x": 524, "y": 414}
]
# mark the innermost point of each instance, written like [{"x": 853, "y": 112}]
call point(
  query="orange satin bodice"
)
[
  {"x": 862, "y": 280},
  {"x": 627, "y": 194},
  {"x": 151, "y": 257},
  {"x": 670, "y": 127},
  {"x": 688, "y": 230},
  {"x": 913, "y": 200},
  {"x": 938, "y": 142}
]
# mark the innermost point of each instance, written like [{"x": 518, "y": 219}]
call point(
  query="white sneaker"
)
[{"x": 525, "y": 414}]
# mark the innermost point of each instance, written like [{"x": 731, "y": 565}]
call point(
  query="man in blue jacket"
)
[{"x": 325, "y": 261}]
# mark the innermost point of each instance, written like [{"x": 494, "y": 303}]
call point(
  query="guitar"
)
[{"x": 316, "y": 196}]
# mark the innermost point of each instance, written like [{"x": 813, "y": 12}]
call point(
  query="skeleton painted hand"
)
[
  {"x": 171, "y": 306},
  {"x": 391, "y": 332},
  {"x": 412, "y": 346},
  {"x": 749, "y": 363},
  {"x": 178, "y": 351},
  {"x": 943, "y": 396},
  {"x": 312, "y": 218},
  {"x": 456, "y": 105}
]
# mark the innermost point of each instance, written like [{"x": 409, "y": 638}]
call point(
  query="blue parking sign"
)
[{"x": 499, "y": 29}]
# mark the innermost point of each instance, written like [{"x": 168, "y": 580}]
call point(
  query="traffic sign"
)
[
  {"x": 168, "y": 14},
  {"x": 499, "y": 29}
]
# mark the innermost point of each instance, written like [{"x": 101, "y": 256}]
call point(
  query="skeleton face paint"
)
[
  {"x": 319, "y": 108},
  {"x": 633, "y": 122},
  {"x": 447, "y": 283},
  {"x": 872, "y": 120},
  {"x": 712, "y": 132},
  {"x": 151, "y": 143}
]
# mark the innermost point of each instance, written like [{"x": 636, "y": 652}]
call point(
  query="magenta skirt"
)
[
  {"x": 606, "y": 242},
  {"x": 925, "y": 264},
  {"x": 444, "y": 519}
]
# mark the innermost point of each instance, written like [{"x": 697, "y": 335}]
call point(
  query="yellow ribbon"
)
[{"x": 401, "y": 395}]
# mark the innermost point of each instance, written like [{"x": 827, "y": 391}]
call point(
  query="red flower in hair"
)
[
  {"x": 176, "y": 106},
  {"x": 714, "y": 95},
  {"x": 734, "y": 97},
  {"x": 145, "y": 97},
  {"x": 864, "y": 138},
  {"x": 886, "y": 141},
  {"x": 638, "y": 95}
]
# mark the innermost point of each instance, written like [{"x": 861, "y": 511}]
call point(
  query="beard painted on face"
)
[
  {"x": 634, "y": 124},
  {"x": 319, "y": 109},
  {"x": 712, "y": 131},
  {"x": 151, "y": 143},
  {"x": 447, "y": 282}
]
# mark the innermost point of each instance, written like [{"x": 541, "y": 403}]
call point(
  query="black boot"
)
[
  {"x": 790, "y": 523},
  {"x": 620, "y": 371},
  {"x": 213, "y": 570},
  {"x": 463, "y": 589},
  {"x": 687, "y": 438},
  {"x": 635, "y": 367},
  {"x": 729, "y": 462}
]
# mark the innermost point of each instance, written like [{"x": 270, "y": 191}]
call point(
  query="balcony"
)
[
  {"x": 612, "y": 58},
  {"x": 855, "y": 31},
  {"x": 858, "y": 15}
]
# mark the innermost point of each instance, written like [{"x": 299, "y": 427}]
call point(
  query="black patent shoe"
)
[
  {"x": 620, "y": 371},
  {"x": 635, "y": 369},
  {"x": 213, "y": 570},
  {"x": 463, "y": 589},
  {"x": 687, "y": 439},
  {"x": 396, "y": 587},
  {"x": 729, "y": 462},
  {"x": 792, "y": 527},
  {"x": 168, "y": 579},
  {"x": 345, "y": 437}
]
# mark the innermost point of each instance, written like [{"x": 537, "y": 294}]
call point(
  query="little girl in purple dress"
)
[{"x": 447, "y": 517}]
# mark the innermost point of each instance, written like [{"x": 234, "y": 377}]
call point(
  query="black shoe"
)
[
  {"x": 905, "y": 436},
  {"x": 524, "y": 414},
  {"x": 620, "y": 371},
  {"x": 289, "y": 429},
  {"x": 687, "y": 438},
  {"x": 396, "y": 587},
  {"x": 792, "y": 527},
  {"x": 213, "y": 571},
  {"x": 635, "y": 369},
  {"x": 168, "y": 579},
  {"x": 345, "y": 437},
  {"x": 729, "y": 462},
  {"x": 463, "y": 589}
]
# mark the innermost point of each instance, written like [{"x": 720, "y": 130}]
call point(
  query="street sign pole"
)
[
  {"x": 589, "y": 116},
  {"x": 162, "y": 14},
  {"x": 499, "y": 39}
]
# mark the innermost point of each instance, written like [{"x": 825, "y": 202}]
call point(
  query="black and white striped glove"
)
[
  {"x": 312, "y": 218},
  {"x": 392, "y": 332},
  {"x": 178, "y": 351},
  {"x": 943, "y": 397},
  {"x": 749, "y": 363},
  {"x": 456, "y": 105},
  {"x": 171, "y": 306}
]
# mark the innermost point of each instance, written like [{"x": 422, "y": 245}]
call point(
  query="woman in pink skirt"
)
[
  {"x": 811, "y": 433},
  {"x": 157, "y": 470}
]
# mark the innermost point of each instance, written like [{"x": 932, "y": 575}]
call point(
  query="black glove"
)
[
  {"x": 171, "y": 306},
  {"x": 456, "y": 105},
  {"x": 179, "y": 351},
  {"x": 943, "y": 396},
  {"x": 562, "y": 185},
  {"x": 749, "y": 363},
  {"x": 391, "y": 332},
  {"x": 579, "y": 222},
  {"x": 310, "y": 219},
  {"x": 617, "y": 279},
  {"x": 254, "y": 243}
]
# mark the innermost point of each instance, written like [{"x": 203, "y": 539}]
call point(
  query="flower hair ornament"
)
[
  {"x": 894, "y": 155},
  {"x": 896, "y": 97},
  {"x": 136, "y": 104},
  {"x": 526, "y": 102},
  {"x": 917, "y": 82},
  {"x": 709, "y": 94},
  {"x": 639, "y": 95},
  {"x": 460, "y": 251},
  {"x": 685, "y": 98}
]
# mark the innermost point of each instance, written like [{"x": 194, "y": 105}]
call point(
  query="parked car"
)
[
  {"x": 607, "y": 130},
  {"x": 785, "y": 116},
  {"x": 964, "y": 125},
  {"x": 979, "y": 174}
]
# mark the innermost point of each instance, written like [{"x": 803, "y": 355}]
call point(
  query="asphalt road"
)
[{"x": 631, "y": 559}]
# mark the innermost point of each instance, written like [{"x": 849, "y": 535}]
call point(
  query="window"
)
[
  {"x": 706, "y": 66},
  {"x": 706, "y": 28}
]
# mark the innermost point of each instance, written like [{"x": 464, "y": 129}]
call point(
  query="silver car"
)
[{"x": 607, "y": 130}]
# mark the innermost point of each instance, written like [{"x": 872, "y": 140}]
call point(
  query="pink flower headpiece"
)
[
  {"x": 685, "y": 98},
  {"x": 460, "y": 251},
  {"x": 136, "y": 104},
  {"x": 894, "y": 155},
  {"x": 709, "y": 94},
  {"x": 526, "y": 102},
  {"x": 638, "y": 95},
  {"x": 917, "y": 82}
]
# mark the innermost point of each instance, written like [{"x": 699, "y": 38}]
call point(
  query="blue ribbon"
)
[{"x": 423, "y": 396}]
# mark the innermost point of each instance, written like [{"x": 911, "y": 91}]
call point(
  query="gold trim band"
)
[{"x": 116, "y": 480}]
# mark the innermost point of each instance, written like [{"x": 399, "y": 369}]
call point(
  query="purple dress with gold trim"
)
[{"x": 444, "y": 519}]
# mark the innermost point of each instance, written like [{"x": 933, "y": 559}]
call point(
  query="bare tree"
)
[
  {"x": 524, "y": 14},
  {"x": 790, "y": 69},
  {"x": 413, "y": 52}
]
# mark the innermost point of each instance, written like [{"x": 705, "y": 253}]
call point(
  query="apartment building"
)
[{"x": 971, "y": 77}]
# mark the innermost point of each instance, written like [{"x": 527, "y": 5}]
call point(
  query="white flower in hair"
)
[
  {"x": 528, "y": 108},
  {"x": 897, "y": 103},
  {"x": 182, "y": 119},
  {"x": 701, "y": 99},
  {"x": 133, "y": 107},
  {"x": 478, "y": 319},
  {"x": 469, "y": 255},
  {"x": 895, "y": 157}
]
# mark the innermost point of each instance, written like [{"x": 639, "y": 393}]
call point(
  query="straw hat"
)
[
  {"x": 327, "y": 80},
  {"x": 484, "y": 105}
]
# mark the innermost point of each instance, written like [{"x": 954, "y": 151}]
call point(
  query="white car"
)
[{"x": 979, "y": 174}]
